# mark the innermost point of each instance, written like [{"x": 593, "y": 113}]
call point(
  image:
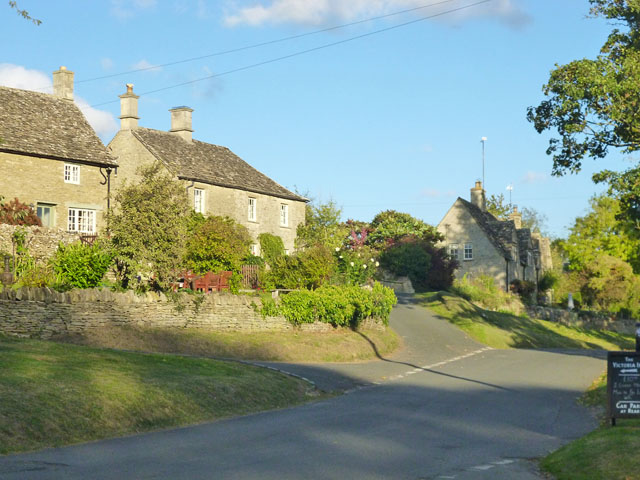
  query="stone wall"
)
[
  {"x": 584, "y": 319},
  {"x": 42, "y": 312},
  {"x": 42, "y": 242}
]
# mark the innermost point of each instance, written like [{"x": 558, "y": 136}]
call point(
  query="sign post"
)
[{"x": 623, "y": 384}]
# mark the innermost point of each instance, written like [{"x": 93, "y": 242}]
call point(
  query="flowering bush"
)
[{"x": 356, "y": 266}]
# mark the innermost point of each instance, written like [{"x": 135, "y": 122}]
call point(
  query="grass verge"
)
[
  {"x": 608, "y": 453},
  {"x": 506, "y": 330},
  {"x": 341, "y": 345},
  {"x": 55, "y": 394}
]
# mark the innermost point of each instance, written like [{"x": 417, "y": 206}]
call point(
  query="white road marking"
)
[
  {"x": 482, "y": 467},
  {"x": 504, "y": 462}
]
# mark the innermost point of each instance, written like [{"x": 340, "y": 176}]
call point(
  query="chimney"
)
[
  {"x": 63, "y": 83},
  {"x": 516, "y": 217},
  {"x": 129, "y": 109},
  {"x": 181, "y": 122},
  {"x": 477, "y": 196}
]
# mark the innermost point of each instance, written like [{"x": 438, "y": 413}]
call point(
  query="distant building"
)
[
  {"x": 218, "y": 182},
  {"x": 52, "y": 159},
  {"x": 484, "y": 245}
]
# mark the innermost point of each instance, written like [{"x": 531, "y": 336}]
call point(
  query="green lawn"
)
[
  {"x": 506, "y": 330},
  {"x": 608, "y": 453},
  {"x": 340, "y": 345},
  {"x": 55, "y": 394}
]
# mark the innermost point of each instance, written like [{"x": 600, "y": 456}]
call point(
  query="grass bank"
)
[
  {"x": 506, "y": 330},
  {"x": 54, "y": 394},
  {"x": 340, "y": 345},
  {"x": 608, "y": 453}
]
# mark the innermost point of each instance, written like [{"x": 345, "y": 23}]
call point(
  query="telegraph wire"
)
[
  {"x": 263, "y": 44},
  {"x": 302, "y": 52}
]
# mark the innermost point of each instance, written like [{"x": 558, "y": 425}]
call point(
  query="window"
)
[
  {"x": 252, "y": 209},
  {"x": 468, "y": 251},
  {"x": 71, "y": 173},
  {"x": 453, "y": 251},
  {"x": 255, "y": 250},
  {"x": 198, "y": 200},
  {"x": 82, "y": 220},
  {"x": 284, "y": 215},
  {"x": 45, "y": 212},
  {"x": 286, "y": 251}
]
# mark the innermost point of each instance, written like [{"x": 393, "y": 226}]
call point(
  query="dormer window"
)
[{"x": 71, "y": 173}]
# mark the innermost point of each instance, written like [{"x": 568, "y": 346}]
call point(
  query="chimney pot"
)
[
  {"x": 181, "y": 123},
  {"x": 129, "y": 109},
  {"x": 63, "y": 83},
  {"x": 477, "y": 196}
]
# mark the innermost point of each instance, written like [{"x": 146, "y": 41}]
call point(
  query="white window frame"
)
[
  {"x": 454, "y": 250},
  {"x": 72, "y": 173},
  {"x": 199, "y": 200},
  {"x": 468, "y": 251},
  {"x": 255, "y": 250},
  {"x": 41, "y": 207},
  {"x": 252, "y": 209},
  {"x": 284, "y": 215},
  {"x": 81, "y": 220}
]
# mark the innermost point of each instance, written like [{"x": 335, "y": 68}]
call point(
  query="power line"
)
[
  {"x": 303, "y": 52},
  {"x": 263, "y": 44}
]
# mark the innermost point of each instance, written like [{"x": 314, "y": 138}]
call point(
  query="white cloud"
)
[
  {"x": 125, "y": 9},
  {"x": 320, "y": 12},
  {"x": 434, "y": 193},
  {"x": 16, "y": 76},
  {"x": 534, "y": 177},
  {"x": 145, "y": 65},
  {"x": 106, "y": 63}
]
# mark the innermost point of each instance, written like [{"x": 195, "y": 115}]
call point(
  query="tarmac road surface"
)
[{"x": 444, "y": 407}]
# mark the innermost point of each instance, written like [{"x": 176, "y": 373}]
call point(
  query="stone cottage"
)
[
  {"x": 52, "y": 159},
  {"x": 218, "y": 182},
  {"x": 484, "y": 245}
]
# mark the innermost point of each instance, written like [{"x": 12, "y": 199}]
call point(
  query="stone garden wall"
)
[
  {"x": 42, "y": 312},
  {"x": 42, "y": 242},
  {"x": 584, "y": 319}
]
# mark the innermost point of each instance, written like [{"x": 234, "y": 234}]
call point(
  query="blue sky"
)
[{"x": 391, "y": 120}]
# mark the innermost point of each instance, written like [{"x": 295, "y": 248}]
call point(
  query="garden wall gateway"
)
[{"x": 43, "y": 313}]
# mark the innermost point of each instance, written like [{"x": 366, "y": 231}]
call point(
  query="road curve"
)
[{"x": 444, "y": 407}]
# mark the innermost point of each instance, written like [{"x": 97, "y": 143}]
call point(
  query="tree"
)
[
  {"x": 625, "y": 187},
  {"x": 389, "y": 226},
  {"x": 533, "y": 220},
  {"x": 148, "y": 228},
  {"x": 593, "y": 104},
  {"x": 23, "y": 13},
  {"x": 17, "y": 213},
  {"x": 322, "y": 226},
  {"x": 271, "y": 247},
  {"x": 600, "y": 232},
  {"x": 497, "y": 207}
]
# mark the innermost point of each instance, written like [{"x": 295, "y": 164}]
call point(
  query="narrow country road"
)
[{"x": 444, "y": 407}]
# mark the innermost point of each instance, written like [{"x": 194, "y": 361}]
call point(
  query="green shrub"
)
[
  {"x": 271, "y": 247},
  {"x": 309, "y": 268},
  {"x": 81, "y": 266},
  {"x": 408, "y": 257},
  {"x": 356, "y": 266},
  {"x": 483, "y": 290},
  {"x": 340, "y": 306}
]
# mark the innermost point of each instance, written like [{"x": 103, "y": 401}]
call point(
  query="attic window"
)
[{"x": 71, "y": 173}]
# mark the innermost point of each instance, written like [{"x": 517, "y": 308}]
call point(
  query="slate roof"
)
[
  {"x": 525, "y": 243},
  {"x": 499, "y": 232},
  {"x": 207, "y": 163},
  {"x": 43, "y": 125}
]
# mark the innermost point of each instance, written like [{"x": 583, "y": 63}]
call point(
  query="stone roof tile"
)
[
  {"x": 207, "y": 163},
  {"x": 39, "y": 124}
]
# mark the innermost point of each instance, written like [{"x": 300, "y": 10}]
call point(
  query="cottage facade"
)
[
  {"x": 217, "y": 181},
  {"x": 52, "y": 159},
  {"x": 484, "y": 245}
]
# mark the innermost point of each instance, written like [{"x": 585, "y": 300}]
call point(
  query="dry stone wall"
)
[
  {"x": 42, "y": 242},
  {"x": 43, "y": 313},
  {"x": 584, "y": 319}
]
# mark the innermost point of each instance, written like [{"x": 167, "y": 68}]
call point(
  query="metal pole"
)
[{"x": 482, "y": 140}]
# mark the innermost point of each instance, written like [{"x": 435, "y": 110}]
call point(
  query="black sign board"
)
[{"x": 623, "y": 385}]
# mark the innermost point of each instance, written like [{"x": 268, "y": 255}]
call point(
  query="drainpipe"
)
[
  {"x": 107, "y": 182},
  {"x": 193, "y": 182}
]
